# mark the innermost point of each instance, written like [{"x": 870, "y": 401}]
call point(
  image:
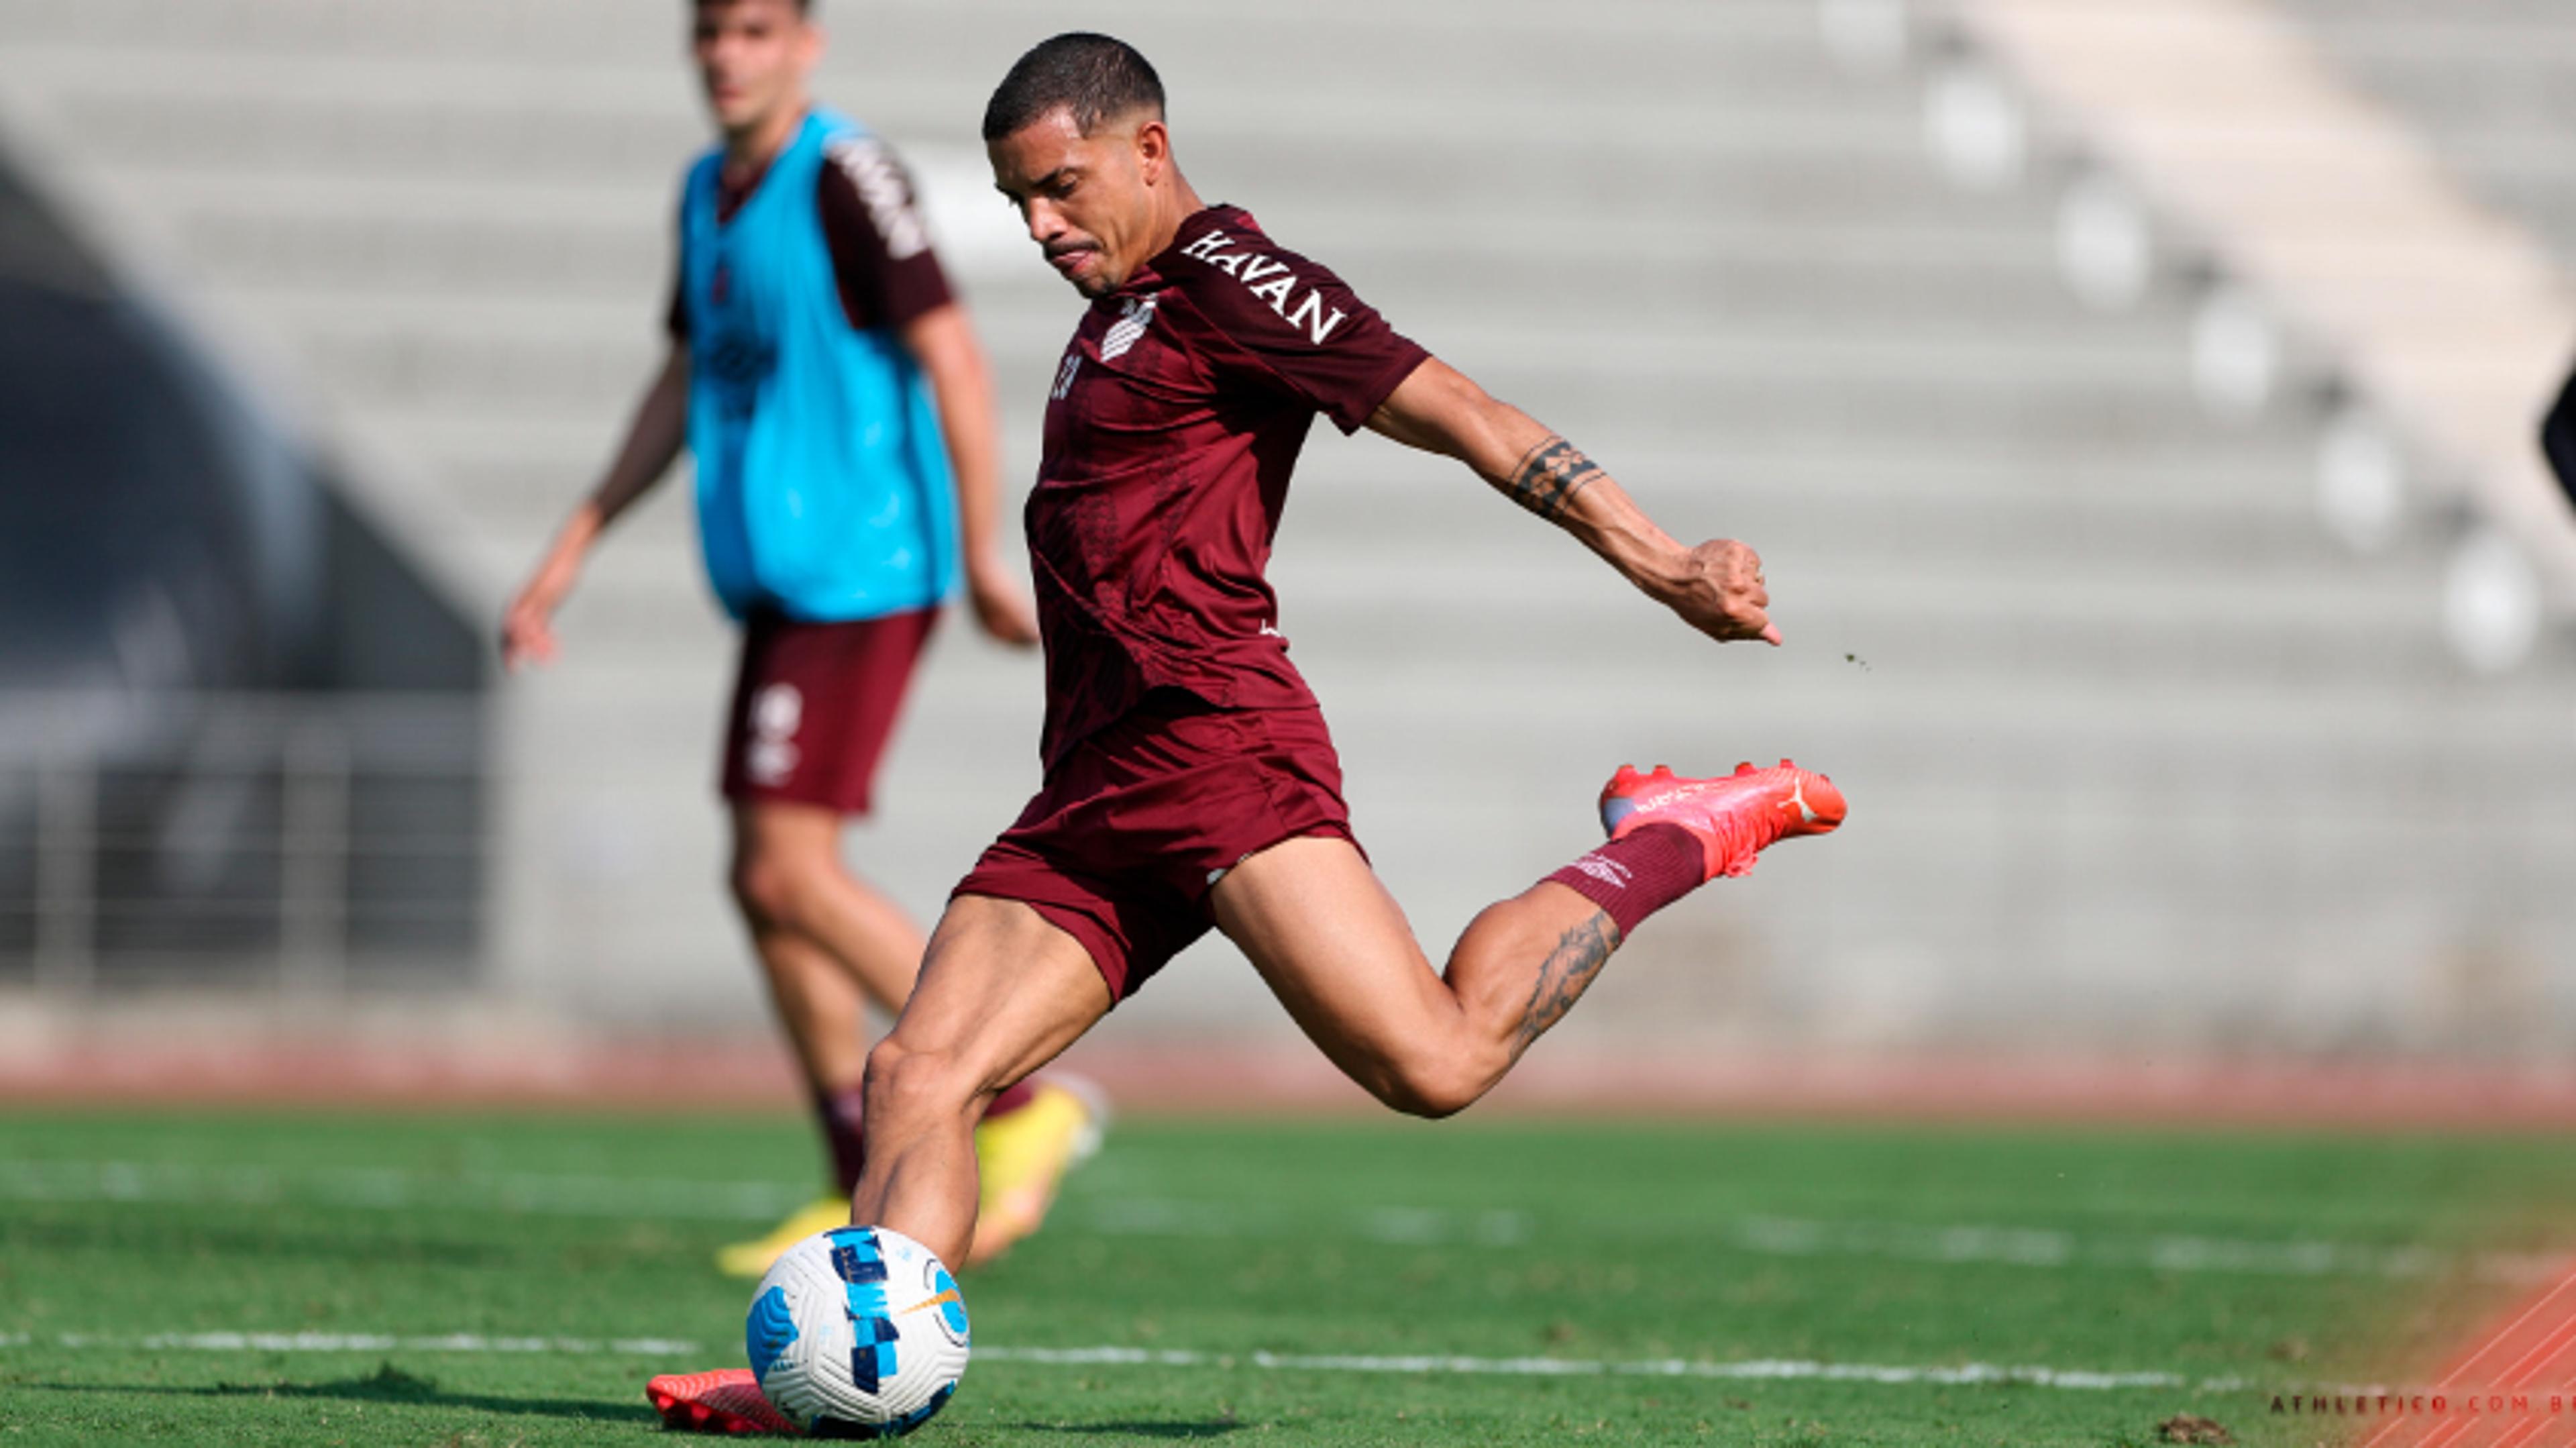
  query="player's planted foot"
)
[
  {"x": 727, "y": 1400},
  {"x": 1024, "y": 1157},
  {"x": 752, "y": 1258},
  {"x": 1734, "y": 817}
]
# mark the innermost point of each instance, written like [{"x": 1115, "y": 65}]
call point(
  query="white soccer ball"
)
[{"x": 857, "y": 1333}]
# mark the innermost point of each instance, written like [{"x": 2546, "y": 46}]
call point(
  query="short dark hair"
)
[
  {"x": 1096, "y": 77},
  {"x": 803, "y": 7}
]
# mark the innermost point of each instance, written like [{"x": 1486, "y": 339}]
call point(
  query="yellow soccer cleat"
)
[
  {"x": 1024, "y": 1157},
  {"x": 752, "y": 1258}
]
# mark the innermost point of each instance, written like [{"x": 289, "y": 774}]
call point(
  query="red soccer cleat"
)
[
  {"x": 1736, "y": 817},
  {"x": 727, "y": 1400}
]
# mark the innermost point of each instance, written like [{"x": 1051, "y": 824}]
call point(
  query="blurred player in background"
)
[{"x": 841, "y": 415}]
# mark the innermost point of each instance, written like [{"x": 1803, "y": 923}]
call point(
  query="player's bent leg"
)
[
  {"x": 1335, "y": 948},
  {"x": 1002, "y": 992}
]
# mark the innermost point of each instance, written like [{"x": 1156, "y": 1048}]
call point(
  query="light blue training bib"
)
[{"x": 824, "y": 488}]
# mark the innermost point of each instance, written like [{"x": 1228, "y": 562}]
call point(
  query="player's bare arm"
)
[
  {"x": 1716, "y": 587},
  {"x": 653, "y": 442},
  {"x": 943, "y": 342}
]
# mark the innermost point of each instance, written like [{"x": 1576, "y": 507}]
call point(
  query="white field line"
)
[
  {"x": 2038, "y": 1247},
  {"x": 1764, "y": 1370},
  {"x": 1768, "y": 1369},
  {"x": 1794, "y": 1237},
  {"x": 530, "y": 1194}
]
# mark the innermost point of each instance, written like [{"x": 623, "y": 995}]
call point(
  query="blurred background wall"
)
[{"x": 2192, "y": 696}]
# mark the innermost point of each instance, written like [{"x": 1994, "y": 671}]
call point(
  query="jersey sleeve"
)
[
  {"x": 881, "y": 253},
  {"x": 1289, "y": 325}
]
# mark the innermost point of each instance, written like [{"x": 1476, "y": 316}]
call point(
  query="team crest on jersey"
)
[{"x": 1130, "y": 329}]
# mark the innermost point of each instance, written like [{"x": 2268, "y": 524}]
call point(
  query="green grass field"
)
[{"x": 499, "y": 1279}]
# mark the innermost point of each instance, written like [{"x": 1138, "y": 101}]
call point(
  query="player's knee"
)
[
  {"x": 771, "y": 889},
  {"x": 911, "y": 1085},
  {"x": 1433, "y": 1088}
]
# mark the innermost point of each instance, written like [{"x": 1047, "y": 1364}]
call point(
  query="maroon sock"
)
[
  {"x": 1011, "y": 1100},
  {"x": 1634, "y": 877},
  {"x": 842, "y": 1114}
]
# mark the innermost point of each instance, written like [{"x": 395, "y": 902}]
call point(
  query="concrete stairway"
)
[
  {"x": 2138, "y": 754},
  {"x": 2490, "y": 84}
]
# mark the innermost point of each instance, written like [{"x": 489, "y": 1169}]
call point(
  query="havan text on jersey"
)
[{"x": 1269, "y": 279}]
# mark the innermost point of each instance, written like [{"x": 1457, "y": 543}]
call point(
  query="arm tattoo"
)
[
  {"x": 1549, "y": 475},
  {"x": 1579, "y": 955}
]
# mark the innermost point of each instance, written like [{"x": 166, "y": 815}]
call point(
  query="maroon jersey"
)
[{"x": 1175, "y": 419}]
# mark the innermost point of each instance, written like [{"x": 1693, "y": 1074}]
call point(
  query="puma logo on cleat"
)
[{"x": 1798, "y": 797}]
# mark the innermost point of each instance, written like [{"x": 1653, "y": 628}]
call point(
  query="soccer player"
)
[
  {"x": 838, "y": 405},
  {"x": 1189, "y": 778}
]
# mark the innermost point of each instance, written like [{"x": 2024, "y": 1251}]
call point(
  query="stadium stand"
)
[
  {"x": 2329, "y": 214},
  {"x": 2139, "y": 752},
  {"x": 2487, "y": 86},
  {"x": 240, "y": 734},
  {"x": 2486, "y": 83}
]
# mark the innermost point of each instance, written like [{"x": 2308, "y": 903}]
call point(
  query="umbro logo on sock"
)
[{"x": 1609, "y": 872}]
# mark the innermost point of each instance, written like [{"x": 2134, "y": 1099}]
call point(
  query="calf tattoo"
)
[
  {"x": 1579, "y": 955},
  {"x": 1549, "y": 475}
]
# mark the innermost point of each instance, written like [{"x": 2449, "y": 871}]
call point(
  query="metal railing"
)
[{"x": 309, "y": 843}]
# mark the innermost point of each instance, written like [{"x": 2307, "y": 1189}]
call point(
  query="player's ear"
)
[{"x": 1153, "y": 150}]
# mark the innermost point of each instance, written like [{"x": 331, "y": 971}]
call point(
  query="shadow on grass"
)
[
  {"x": 387, "y": 1384},
  {"x": 390, "y": 1384}
]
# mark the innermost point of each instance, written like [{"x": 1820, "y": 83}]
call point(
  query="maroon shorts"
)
[
  {"x": 1139, "y": 821},
  {"x": 814, "y": 705}
]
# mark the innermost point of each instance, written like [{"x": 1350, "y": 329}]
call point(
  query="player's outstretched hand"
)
[
  {"x": 1001, "y": 608},
  {"x": 527, "y": 628},
  {"x": 1721, "y": 593}
]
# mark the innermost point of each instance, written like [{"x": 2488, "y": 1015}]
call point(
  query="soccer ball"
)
[{"x": 857, "y": 1333}]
